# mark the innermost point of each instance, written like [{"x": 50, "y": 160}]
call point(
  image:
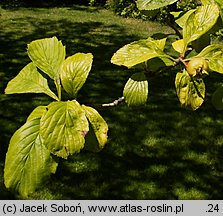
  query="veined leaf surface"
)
[
  {"x": 63, "y": 128},
  {"x": 207, "y": 2},
  {"x": 29, "y": 80},
  {"x": 47, "y": 54},
  {"x": 99, "y": 127},
  {"x": 74, "y": 72},
  {"x": 28, "y": 162},
  {"x": 37, "y": 113},
  {"x": 136, "y": 90},
  {"x": 191, "y": 92},
  {"x": 199, "y": 22},
  {"x": 214, "y": 54},
  {"x": 153, "y": 4},
  {"x": 138, "y": 52},
  {"x": 179, "y": 45},
  {"x": 183, "y": 19}
]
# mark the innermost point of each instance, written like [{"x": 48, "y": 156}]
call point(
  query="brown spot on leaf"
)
[{"x": 84, "y": 133}]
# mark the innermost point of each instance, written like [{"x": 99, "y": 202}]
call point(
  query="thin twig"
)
[
  {"x": 175, "y": 28},
  {"x": 182, "y": 61},
  {"x": 114, "y": 103}
]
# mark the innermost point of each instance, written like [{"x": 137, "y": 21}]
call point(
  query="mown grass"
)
[{"x": 158, "y": 151}]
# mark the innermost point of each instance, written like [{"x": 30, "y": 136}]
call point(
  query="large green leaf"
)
[
  {"x": 160, "y": 43},
  {"x": 183, "y": 19},
  {"x": 74, "y": 72},
  {"x": 37, "y": 113},
  {"x": 99, "y": 127},
  {"x": 217, "y": 98},
  {"x": 214, "y": 54},
  {"x": 136, "y": 90},
  {"x": 138, "y": 52},
  {"x": 216, "y": 62},
  {"x": 179, "y": 45},
  {"x": 28, "y": 162},
  {"x": 63, "y": 128},
  {"x": 153, "y": 4},
  {"x": 199, "y": 22},
  {"x": 191, "y": 92},
  {"x": 29, "y": 80},
  {"x": 210, "y": 50},
  {"x": 47, "y": 54}
]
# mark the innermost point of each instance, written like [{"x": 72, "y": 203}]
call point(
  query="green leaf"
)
[
  {"x": 74, "y": 72},
  {"x": 99, "y": 127},
  {"x": 63, "y": 128},
  {"x": 153, "y": 4},
  {"x": 214, "y": 54},
  {"x": 217, "y": 98},
  {"x": 220, "y": 6},
  {"x": 28, "y": 162},
  {"x": 216, "y": 62},
  {"x": 183, "y": 19},
  {"x": 207, "y": 2},
  {"x": 138, "y": 52},
  {"x": 160, "y": 43},
  {"x": 136, "y": 90},
  {"x": 47, "y": 54},
  {"x": 179, "y": 46},
  {"x": 211, "y": 50},
  {"x": 29, "y": 80},
  {"x": 176, "y": 14},
  {"x": 199, "y": 22},
  {"x": 37, "y": 113},
  {"x": 191, "y": 92}
]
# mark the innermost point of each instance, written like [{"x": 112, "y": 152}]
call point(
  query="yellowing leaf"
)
[
  {"x": 47, "y": 54},
  {"x": 136, "y": 90},
  {"x": 74, "y": 72},
  {"x": 214, "y": 54},
  {"x": 28, "y": 162},
  {"x": 99, "y": 127},
  {"x": 153, "y": 4},
  {"x": 63, "y": 128},
  {"x": 199, "y": 22},
  {"x": 179, "y": 45},
  {"x": 138, "y": 52},
  {"x": 29, "y": 80},
  {"x": 159, "y": 43},
  {"x": 183, "y": 19},
  {"x": 176, "y": 14},
  {"x": 37, "y": 113},
  {"x": 207, "y": 2},
  {"x": 191, "y": 92}
]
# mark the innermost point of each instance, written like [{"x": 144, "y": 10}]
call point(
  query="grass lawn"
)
[{"x": 158, "y": 151}]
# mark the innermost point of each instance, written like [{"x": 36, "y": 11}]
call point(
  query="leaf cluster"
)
[
  {"x": 60, "y": 128},
  {"x": 149, "y": 55}
]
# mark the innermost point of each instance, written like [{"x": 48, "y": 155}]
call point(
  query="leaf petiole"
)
[{"x": 58, "y": 86}]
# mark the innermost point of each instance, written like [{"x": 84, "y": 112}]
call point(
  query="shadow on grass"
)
[{"x": 158, "y": 151}]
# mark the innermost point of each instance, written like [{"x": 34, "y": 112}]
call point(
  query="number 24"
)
[{"x": 213, "y": 208}]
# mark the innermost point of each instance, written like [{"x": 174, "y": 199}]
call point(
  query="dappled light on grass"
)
[{"x": 157, "y": 151}]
